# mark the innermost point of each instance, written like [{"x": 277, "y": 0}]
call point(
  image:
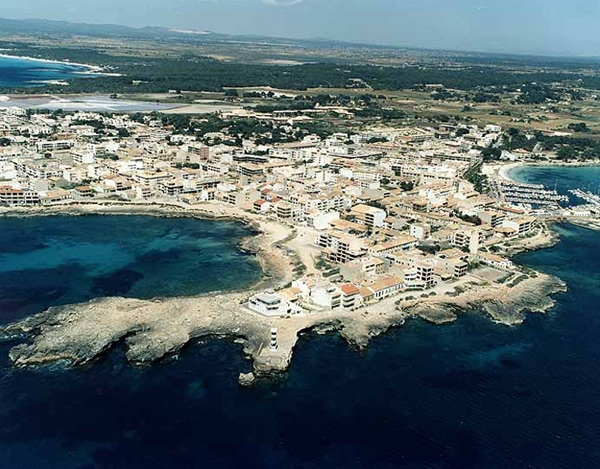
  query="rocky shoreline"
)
[
  {"x": 153, "y": 329},
  {"x": 505, "y": 305}
]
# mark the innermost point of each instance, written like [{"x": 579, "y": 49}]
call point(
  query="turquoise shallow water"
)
[
  {"x": 62, "y": 260},
  {"x": 16, "y": 72}
]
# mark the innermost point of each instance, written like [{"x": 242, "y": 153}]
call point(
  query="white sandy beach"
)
[{"x": 94, "y": 68}]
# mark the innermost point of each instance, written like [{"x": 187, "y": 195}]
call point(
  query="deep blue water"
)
[
  {"x": 24, "y": 72},
  {"x": 63, "y": 260},
  {"x": 468, "y": 394},
  {"x": 562, "y": 178}
]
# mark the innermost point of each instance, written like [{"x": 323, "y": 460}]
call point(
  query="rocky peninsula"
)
[{"x": 152, "y": 329}]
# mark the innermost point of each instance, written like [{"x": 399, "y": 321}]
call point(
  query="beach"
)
[
  {"x": 502, "y": 171},
  {"x": 95, "y": 69}
]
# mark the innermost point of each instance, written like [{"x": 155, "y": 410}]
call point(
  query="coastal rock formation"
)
[
  {"x": 153, "y": 329},
  {"x": 78, "y": 334},
  {"x": 505, "y": 304}
]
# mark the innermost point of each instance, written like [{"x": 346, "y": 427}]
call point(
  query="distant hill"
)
[
  {"x": 65, "y": 28},
  {"x": 37, "y": 26}
]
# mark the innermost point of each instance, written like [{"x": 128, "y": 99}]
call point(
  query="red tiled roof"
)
[{"x": 350, "y": 289}]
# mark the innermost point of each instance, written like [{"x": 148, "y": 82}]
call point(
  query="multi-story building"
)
[
  {"x": 170, "y": 187},
  {"x": 350, "y": 296},
  {"x": 469, "y": 240},
  {"x": 397, "y": 244},
  {"x": 272, "y": 304},
  {"x": 370, "y": 216},
  {"x": 521, "y": 225},
  {"x": 11, "y": 196},
  {"x": 341, "y": 247},
  {"x": 54, "y": 145},
  {"x": 326, "y": 295},
  {"x": 492, "y": 218}
]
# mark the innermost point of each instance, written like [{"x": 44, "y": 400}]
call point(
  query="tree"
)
[
  {"x": 407, "y": 186},
  {"x": 468, "y": 218},
  {"x": 377, "y": 140},
  {"x": 491, "y": 154},
  {"x": 579, "y": 127},
  {"x": 566, "y": 153}
]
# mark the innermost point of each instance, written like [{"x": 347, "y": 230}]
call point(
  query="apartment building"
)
[
  {"x": 469, "y": 240},
  {"x": 341, "y": 247},
  {"x": 491, "y": 217},
  {"x": 382, "y": 288},
  {"x": 363, "y": 268},
  {"x": 451, "y": 268},
  {"x": 398, "y": 243},
  {"x": 170, "y": 187},
  {"x": 370, "y": 216},
  {"x": 522, "y": 225},
  {"x": 54, "y": 145},
  {"x": 326, "y": 295},
  {"x": 351, "y": 298},
  {"x": 11, "y": 196}
]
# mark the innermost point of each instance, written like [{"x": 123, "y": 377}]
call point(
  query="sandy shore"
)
[
  {"x": 502, "y": 171},
  {"x": 505, "y": 170},
  {"x": 152, "y": 329},
  {"x": 91, "y": 68}
]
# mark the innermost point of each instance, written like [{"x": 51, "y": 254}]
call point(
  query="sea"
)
[
  {"x": 561, "y": 178},
  {"x": 23, "y": 72},
  {"x": 30, "y": 74},
  {"x": 64, "y": 260},
  {"x": 471, "y": 394}
]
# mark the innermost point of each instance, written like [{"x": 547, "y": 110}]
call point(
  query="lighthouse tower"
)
[{"x": 274, "y": 345}]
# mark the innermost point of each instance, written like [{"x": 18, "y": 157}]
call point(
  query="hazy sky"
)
[{"x": 551, "y": 27}]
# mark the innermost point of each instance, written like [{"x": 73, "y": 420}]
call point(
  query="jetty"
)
[
  {"x": 590, "y": 198},
  {"x": 530, "y": 194}
]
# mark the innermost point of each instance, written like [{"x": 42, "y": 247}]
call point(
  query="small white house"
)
[{"x": 272, "y": 304}]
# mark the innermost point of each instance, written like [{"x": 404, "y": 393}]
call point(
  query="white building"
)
[
  {"x": 326, "y": 295},
  {"x": 320, "y": 220},
  {"x": 272, "y": 304}
]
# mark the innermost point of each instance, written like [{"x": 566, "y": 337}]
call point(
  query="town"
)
[
  {"x": 382, "y": 215},
  {"x": 299, "y": 234}
]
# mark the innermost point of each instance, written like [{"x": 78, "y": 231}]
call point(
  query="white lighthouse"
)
[{"x": 274, "y": 345}]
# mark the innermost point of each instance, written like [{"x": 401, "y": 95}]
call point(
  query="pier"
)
[
  {"x": 529, "y": 194},
  {"x": 590, "y": 198}
]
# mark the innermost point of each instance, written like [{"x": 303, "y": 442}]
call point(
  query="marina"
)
[
  {"x": 592, "y": 199},
  {"x": 530, "y": 194}
]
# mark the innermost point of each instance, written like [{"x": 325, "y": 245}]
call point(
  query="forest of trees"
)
[
  {"x": 240, "y": 129},
  {"x": 566, "y": 148},
  {"x": 192, "y": 73}
]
